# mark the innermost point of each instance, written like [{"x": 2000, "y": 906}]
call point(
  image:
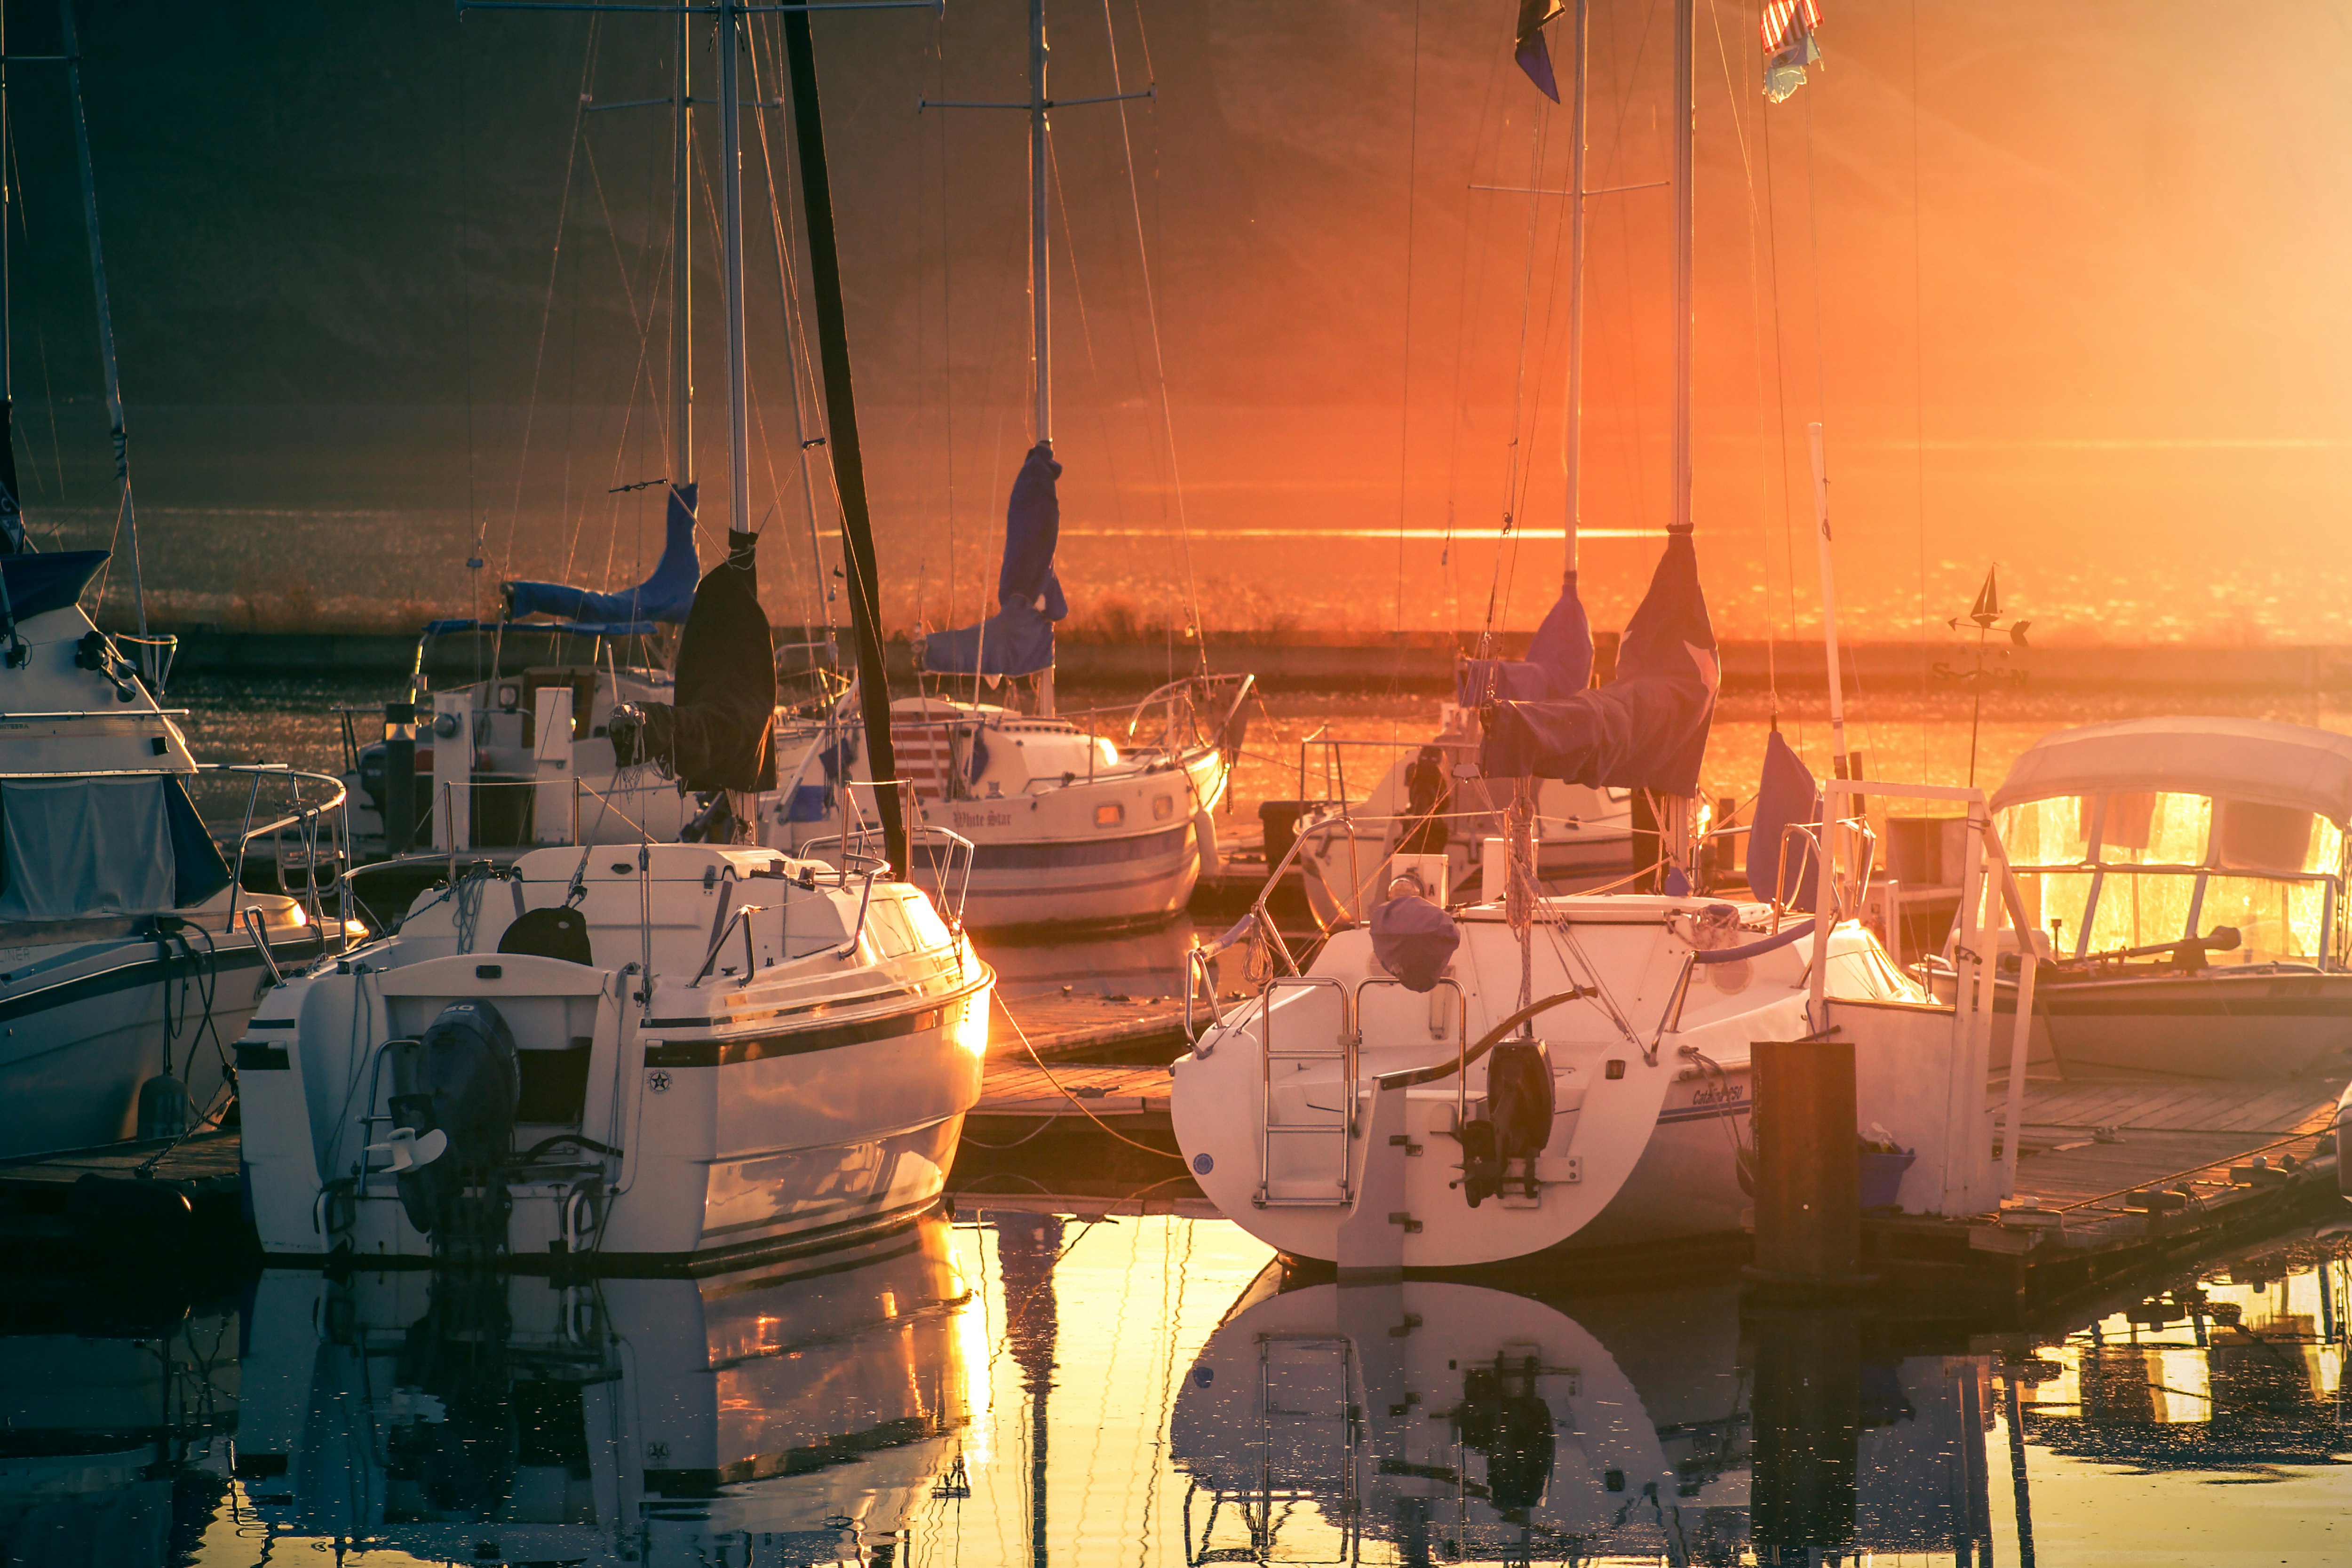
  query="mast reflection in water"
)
[{"x": 1020, "y": 1388}]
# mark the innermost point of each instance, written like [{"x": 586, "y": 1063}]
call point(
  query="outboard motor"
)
[
  {"x": 1519, "y": 1107},
  {"x": 460, "y": 1079},
  {"x": 1504, "y": 1418}
]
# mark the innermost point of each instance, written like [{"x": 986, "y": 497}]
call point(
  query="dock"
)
[
  {"x": 153, "y": 1195},
  {"x": 2115, "y": 1176}
]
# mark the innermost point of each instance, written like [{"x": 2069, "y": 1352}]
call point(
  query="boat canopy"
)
[
  {"x": 78, "y": 849},
  {"x": 1647, "y": 727},
  {"x": 2256, "y": 761},
  {"x": 667, "y": 595},
  {"x": 1019, "y": 638},
  {"x": 1559, "y": 661}
]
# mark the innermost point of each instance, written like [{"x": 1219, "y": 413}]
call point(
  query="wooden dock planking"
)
[
  {"x": 207, "y": 1158},
  {"x": 1124, "y": 1094},
  {"x": 1083, "y": 1025}
]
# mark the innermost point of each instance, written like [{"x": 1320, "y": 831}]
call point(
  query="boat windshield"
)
[{"x": 2102, "y": 872}]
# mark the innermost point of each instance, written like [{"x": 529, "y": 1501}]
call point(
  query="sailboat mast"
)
[
  {"x": 130, "y": 517},
  {"x": 1685, "y": 132},
  {"x": 681, "y": 306},
  {"x": 1572, "y": 457},
  {"x": 1041, "y": 323},
  {"x": 12, "y": 519},
  {"x": 841, "y": 421},
  {"x": 731, "y": 240}
]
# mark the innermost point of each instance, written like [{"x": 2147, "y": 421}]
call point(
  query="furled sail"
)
[
  {"x": 1647, "y": 727},
  {"x": 720, "y": 732},
  {"x": 666, "y": 596},
  {"x": 1019, "y": 638},
  {"x": 1558, "y": 662}
]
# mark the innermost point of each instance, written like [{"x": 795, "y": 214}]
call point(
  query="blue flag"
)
[
  {"x": 667, "y": 595},
  {"x": 1019, "y": 638},
  {"x": 1787, "y": 794},
  {"x": 1647, "y": 727}
]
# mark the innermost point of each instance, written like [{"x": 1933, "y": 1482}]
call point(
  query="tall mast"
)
[
  {"x": 11, "y": 519},
  {"x": 730, "y": 241},
  {"x": 128, "y": 514},
  {"x": 1574, "y": 455},
  {"x": 1685, "y": 129},
  {"x": 1041, "y": 323},
  {"x": 681, "y": 299},
  {"x": 841, "y": 440}
]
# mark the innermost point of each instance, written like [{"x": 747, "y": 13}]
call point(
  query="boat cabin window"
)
[{"x": 2151, "y": 867}]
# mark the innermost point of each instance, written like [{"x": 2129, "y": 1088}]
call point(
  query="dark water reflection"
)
[{"x": 1024, "y": 1388}]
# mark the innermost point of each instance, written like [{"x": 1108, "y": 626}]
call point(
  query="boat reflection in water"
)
[
  {"x": 1441, "y": 1421},
  {"x": 796, "y": 1413}
]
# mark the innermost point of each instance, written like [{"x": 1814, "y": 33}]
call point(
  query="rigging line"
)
[
  {"x": 1467, "y": 297},
  {"x": 1151, "y": 315},
  {"x": 644, "y": 327},
  {"x": 1506, "y": 543},
  {"x": 797, "y": 342},
  {"x": 554, "y": 266},
  {"x": 1634, "y": 431},
  {"x": 1086, "y": 328},
  {"x": 1404, "y": 352},
  {"x": 1780, "y": 395},
  {"x": 1820, "y": 373},
  {"x": 1756, "y": 317},
  {"x": 643, "y": 370},
  {"x": 947, "y": 311},
  {"x": 466, "y": 283},
  {"x": 1543, "y": 339},
  {"x": 1918, "y": 392}
]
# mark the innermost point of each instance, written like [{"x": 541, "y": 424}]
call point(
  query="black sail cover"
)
[
  {"x": 1647, "y": 727},
  {"x": 719, "y": 733}
]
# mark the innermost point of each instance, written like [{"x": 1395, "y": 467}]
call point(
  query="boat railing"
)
[{"x": 313, "y": 835}]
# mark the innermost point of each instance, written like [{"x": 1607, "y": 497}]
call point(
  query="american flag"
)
[
  {"x": 926, "y": 756},
  {"x": 1788, "y": 30}
]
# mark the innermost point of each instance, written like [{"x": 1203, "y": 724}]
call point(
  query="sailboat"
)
[
  {"x": 129, "y": 952},
  {"x": 1066, "y": 825},
  {"x": 1442, "y": 1421},
  {"x": 668, "y": 1056},
  {"x": 1573, "y": 1072}
]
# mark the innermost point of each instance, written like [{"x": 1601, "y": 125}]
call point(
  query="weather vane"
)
[{"x": 1985, "y": 616}]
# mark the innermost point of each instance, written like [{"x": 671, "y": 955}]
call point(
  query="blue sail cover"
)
[
  {"x": 667, "y": 595},
  {"x": 1559, "y": 661},
  {"x": 1019, "y": 638},
  {"x": 1644, "y": 730},
  {"x": 1787, "y": 794}
]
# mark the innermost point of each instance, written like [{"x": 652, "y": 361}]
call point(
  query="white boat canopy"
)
[{"x": 2252, "y": 760}]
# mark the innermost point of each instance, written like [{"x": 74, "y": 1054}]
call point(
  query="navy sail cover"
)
[
  {"x": 666, "y": 596},
  {"x": 1019, "y": 638},
  {"x": 1647, "y": 727},
  {"x": 1787, "y": 796},
  {"x": 1559, "y": 661}
]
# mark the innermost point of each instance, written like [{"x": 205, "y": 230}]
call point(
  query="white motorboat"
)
[
  {"x": 815, "y": 1409},
  {"x": 2186, "y": 880},
  {"x": 664, "y": 1056},
  {"x": 129, "y": 956}
]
